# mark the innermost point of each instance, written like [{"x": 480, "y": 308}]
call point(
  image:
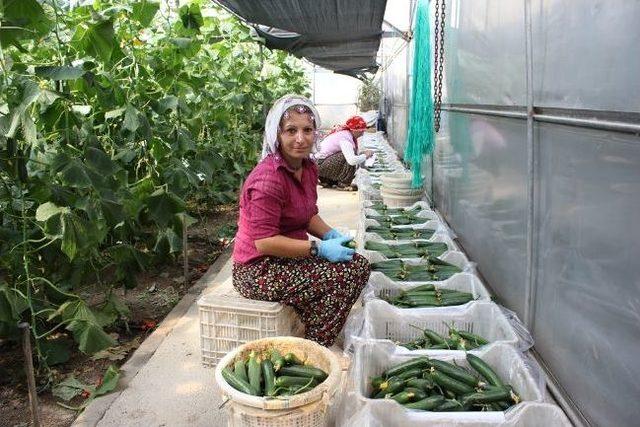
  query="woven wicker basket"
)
[{"x": 305, "y": 409}]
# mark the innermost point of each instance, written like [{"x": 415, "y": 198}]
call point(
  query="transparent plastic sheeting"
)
[
  {"x": 371, "y": 358},
  {"x": 487, "y": 55},
  {"x": 378, "y": 320}
]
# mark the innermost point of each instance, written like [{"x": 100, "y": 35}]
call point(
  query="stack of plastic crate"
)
[{"x": 227, "y": 320}]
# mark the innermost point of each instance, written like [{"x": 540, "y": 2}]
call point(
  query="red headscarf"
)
[{"x": 353, "y": 123}]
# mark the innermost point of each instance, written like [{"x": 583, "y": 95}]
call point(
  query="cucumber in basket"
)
[
  {"x": 431, "y": 384},
  {"x": 272, "y": 374}
]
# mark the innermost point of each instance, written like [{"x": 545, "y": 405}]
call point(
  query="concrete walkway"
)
[{"x": 164, "y": 383}]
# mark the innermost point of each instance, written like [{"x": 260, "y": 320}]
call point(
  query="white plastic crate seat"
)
[{"x": 227, "y": 320}]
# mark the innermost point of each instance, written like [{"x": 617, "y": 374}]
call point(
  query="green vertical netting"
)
[{"x": 420, "y": 139}]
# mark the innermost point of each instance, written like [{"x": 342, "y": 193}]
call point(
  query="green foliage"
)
[
  {"x": 368, "y": 96},
  {"x": 112, "y": 116}
]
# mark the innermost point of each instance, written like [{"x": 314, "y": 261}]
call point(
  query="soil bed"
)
[{"x": 158, "y": 291}]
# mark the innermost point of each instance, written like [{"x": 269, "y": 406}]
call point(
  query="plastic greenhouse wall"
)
[
  {"x": 334, "y": 95},
  {"x": 537, "y": 169}
]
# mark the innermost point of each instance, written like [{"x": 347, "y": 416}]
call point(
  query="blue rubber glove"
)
[
  {"x": 332, "y": 234},
  {"x": 333, "y": 250}
]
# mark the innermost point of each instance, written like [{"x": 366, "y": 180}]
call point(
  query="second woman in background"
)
[{"x": 337, "y": 158}]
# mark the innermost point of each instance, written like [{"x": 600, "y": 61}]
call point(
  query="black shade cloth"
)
[{"x": 340, "y": 35}]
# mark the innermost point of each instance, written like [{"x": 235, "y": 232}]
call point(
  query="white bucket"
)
[
  {"x": 398, "y": 198},
  {"x": 397, "y": 180}
]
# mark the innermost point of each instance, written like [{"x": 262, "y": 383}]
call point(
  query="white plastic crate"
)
[
  {"x": 380, "y": 285},
  {"x": 526, "y": 414},
  {"x": 373, "y": 357},
  {"x": 381, "y": 321},
  {"x": 227, "y": 320}
]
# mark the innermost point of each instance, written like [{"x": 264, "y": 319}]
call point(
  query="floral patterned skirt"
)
[
  {"x": 321, "y": 292},
  {"x": 335, "y": 170}
]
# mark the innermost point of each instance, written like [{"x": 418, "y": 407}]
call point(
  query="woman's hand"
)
[
  {"x": 368, "y": 153},
  {"x": 332, "y": 234},
  {"x": 333, "y": 251}
]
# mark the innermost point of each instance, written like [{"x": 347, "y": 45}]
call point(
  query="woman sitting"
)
[
  {"x": 274, "y": 260},
  {"x": 337, "y": 159}
]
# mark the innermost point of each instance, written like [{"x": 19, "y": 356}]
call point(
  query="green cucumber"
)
[
  {"x": 426, "y": 404},
  {"x": 240, "y": 370},
  {"x": 411, "y": 373},
  {"x": 254, "y": 372},
  {"x": 434, "y": 337},
  {"x": 487, "y": 396},
  {"x": 403, "y": 397},
  {"x": 277, "y": 360},
  {"x": 269, "y": 377},
  {"x": 376, "y": 381},
  {"x": 485, "y": 370},
  {"x": 425, "y": 384},
  {"x": 390, "y": 387},
  {"x": 455, "y": 372},
  {"x": 292, "y": 359},
  {"x": 473, "y": 338},
  {"x": 350, "y": 244},
  {"x": 427, "y": 287},
  {"x": 451, "y": 405},
  {"x": 289, "y": 381},
  {"x": 303, "y": 371},
  {"x": 451, "y": 384},
  {"x": 238, "y": 383},
  {"x": 418, "y": 362},
  {"x": 418, "y": 393}
]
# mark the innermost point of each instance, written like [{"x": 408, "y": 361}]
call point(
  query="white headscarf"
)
[{"x": 270, "y": 141}]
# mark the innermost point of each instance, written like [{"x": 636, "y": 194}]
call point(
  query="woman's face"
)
[
  {"x": 297, "y": 135},
  {"x": 357, "y": 133}
]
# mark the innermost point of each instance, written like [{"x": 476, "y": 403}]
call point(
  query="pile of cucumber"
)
[
  {"x": 390, "y": 233},
  {"x": 457, "y": 340},
  {"x": 416, "y": 249},
  {"x": 428, "y": 295},
  {"x": 271, "y": 374},
  {"x": 435, "y": 385},
  {"x": 387, "y": 220},
  {"x": 430, "y": 269},
  {"x": 382, "y": 209}
]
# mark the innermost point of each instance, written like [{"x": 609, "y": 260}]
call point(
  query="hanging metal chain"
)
[{"x": 438, "y": 61}]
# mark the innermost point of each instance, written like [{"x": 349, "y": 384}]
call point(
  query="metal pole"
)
[
  {"x": 625, "y": 124},
  {"x": 185, "y": 256},
  {"x": 487, "y": 112},
  {"x": 531, "y": 275},
  {"x": 28, "y": 364}
]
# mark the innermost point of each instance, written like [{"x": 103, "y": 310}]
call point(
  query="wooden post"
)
[
  {"x": 185, "y": 257},
  {"x": 28, "y": 364}
]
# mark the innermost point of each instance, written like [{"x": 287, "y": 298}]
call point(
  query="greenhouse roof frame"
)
[{"x": 340, "y": 35}]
